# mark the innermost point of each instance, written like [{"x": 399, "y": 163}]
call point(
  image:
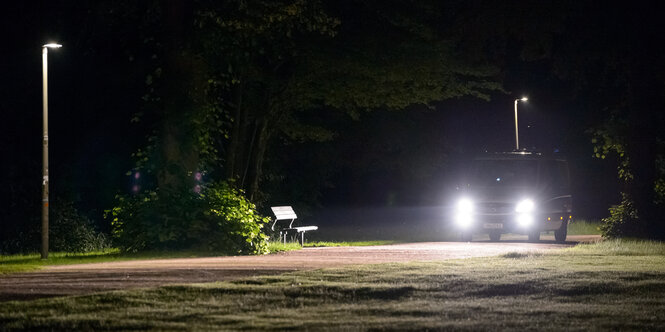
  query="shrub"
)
[
  {"x": 219, "y": 218},
  {"x": 236, "y": 221},
  {"x": 154, "y": 220},
  {"x": 69, "y": 231},
  {"x": 623, "y": 220}
]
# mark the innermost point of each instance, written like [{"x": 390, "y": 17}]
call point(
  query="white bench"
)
[{"x": 287, "y": 213}]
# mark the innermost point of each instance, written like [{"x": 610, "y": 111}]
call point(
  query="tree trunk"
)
[
  {"x": 255, "y": 170},
  {"x": 642, "y": 154},
  {"x": 642, "y": 146},
  {"x": 179, "y": 155}
]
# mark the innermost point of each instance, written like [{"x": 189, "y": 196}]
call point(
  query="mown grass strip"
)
[
  {"x": 349, "y": 244},
  {"x": 613, "y": 285},
  {"x": 584, "y": 227},
  {"x": 276, "y": 246},
  {"x": 31, "y": 262}
]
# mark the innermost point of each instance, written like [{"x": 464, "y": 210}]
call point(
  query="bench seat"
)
[{"x": 287, "y": 213}]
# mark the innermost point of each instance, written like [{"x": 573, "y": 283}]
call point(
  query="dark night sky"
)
[
  {"x": 94, "y": 90},
  {"x": 92, "y": 95}
]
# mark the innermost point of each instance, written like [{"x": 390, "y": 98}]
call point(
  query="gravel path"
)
[{"x": 81, "y": 279}]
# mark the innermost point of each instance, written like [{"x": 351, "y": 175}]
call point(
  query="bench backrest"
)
[{"x": 283, "y": 213}]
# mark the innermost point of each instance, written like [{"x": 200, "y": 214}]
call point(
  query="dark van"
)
[{"x": 515, "y": 192}]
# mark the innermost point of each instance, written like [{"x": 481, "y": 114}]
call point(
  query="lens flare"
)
[
  {"x": 525, "y": 206},
  {"x": 464, "y": 213}
]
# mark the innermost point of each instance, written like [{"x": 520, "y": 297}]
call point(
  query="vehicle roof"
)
[{"x": 518, "y": 155}]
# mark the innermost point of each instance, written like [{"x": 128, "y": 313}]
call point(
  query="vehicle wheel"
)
[
  {"x": 534, "y": 236},
  {"x": 465, "y": 237},
  {"x": 560, "y": 234},
  {"x": 495, "y": 236}
]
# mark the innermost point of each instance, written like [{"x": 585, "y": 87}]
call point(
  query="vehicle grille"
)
[{"x": 495, "y": 208}]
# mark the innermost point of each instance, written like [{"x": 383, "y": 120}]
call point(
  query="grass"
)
[
  {"x": 584, "y": 227},
  {"x": 276, "y": 246},
  {"x": 612, "y": 285},
  {"x": 349, "y": 244},
  {"x": 393, "y": 233},
  {"x": 422, "y": 232},
  {"x": 31, "y": 262}
]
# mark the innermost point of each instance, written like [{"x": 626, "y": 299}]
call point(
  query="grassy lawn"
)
[
  {"x": 421, "y": 232},
  {"x": 31, "y": 262},
  {"x": 584, "y": 227},
  {"x": 612, "y": 285},
  {"x": 279, "y": 246},
  {"x": 349, "y": 244}
]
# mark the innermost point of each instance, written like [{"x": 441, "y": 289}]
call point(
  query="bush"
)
[
  {"x": 219, "y": 218},
  {"x": 72, "y": 232},
  {"x": 153, "y": 221},
  {"x": 235, "y": 222},
  {"x": 69, "y": 231},
  {"x": 623, "y": 220}
]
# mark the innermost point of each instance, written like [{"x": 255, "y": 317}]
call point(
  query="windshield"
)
[{"x": 512, "y": 173}]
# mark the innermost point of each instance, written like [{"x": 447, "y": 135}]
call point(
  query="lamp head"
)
[
  {"x": 524, "y": 99},
  {"x": 52, "y": 45}
]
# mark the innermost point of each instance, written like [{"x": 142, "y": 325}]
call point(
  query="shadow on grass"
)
[{"x": 515, "y": 289}]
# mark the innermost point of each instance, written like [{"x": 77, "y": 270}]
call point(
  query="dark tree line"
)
[
  {"x": 256, "y": 93},
  {"x": 228, "y": 84},
  {"x": 237, "y": 77},
  {"x": 610, "y": 58}
]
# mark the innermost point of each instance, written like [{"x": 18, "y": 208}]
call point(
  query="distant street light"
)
[
  {"x": 45, "y": 179},
  {"x": 517, "y": 140}
]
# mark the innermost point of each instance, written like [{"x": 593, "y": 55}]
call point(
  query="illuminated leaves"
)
[{"x": 610, "y": 138}]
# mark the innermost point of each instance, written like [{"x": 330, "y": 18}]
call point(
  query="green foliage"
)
[
  {"x": 610, "y": 138},
  {"x": 623, "y": 220},
  {"x": 659, "y": 185},
  {"x": 419, "y": 71},
  {"x": 70, "y": 231},
  {"x": 249, "y": 73},
  {"x": 236, "y": 219},
  {"x": 218, "y": 219}
]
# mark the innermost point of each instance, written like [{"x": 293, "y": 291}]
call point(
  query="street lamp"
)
[
  {"x": 517, "y": 140},
  {"x": 45, "y": 179}
]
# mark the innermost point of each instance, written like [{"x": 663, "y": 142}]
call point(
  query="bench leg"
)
[{"x": 302, "y": 239}]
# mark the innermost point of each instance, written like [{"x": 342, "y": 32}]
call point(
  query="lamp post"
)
[
  {"x": 45, "y": 179},
  {"x": 517, "y": 140}
]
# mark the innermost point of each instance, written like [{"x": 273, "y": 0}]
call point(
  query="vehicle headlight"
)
[
  {"x": 524, "y": 219},
  {"x": 525, "y": 206},
  {"x": 524, "y": 211},
  {"x": 464, "y": 212}
]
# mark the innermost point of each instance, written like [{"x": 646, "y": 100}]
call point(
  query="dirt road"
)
[{"x": 89, "y": 278}]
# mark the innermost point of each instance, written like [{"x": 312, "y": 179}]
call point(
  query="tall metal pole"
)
[
  {"x": 517, "y": 140},
  {"x": 45, "y": 178}
]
